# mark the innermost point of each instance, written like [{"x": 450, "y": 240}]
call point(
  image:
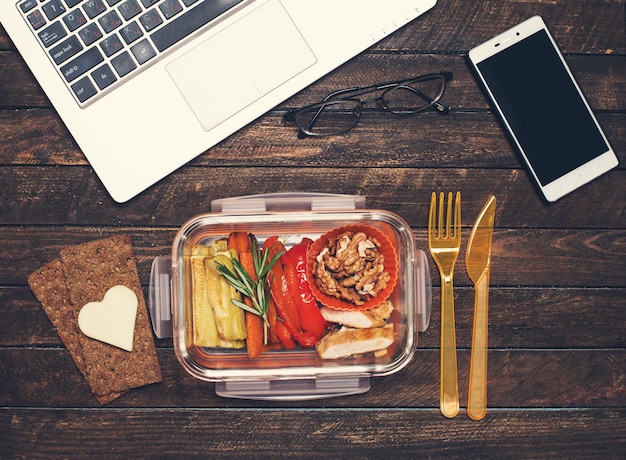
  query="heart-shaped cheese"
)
[{"x": 113, "y": 320}]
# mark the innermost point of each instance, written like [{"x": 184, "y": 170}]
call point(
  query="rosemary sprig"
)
[{"x": 257, "y": 290}]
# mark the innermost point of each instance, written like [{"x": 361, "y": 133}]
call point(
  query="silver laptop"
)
[{"x": 144, "y": 86}]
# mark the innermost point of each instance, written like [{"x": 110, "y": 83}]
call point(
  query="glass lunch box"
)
[{"x": 298, "y": 373}]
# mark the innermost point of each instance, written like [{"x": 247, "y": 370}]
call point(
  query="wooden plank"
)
[
  {"x": 264, "y": 433},
  {"x": 522, "y": 378},
  {"x": 52, "y": 196},
  {"x": 533, "y": 318},
  {"x": 5, "y": 41},
  {"x": 20, "y": 88}
]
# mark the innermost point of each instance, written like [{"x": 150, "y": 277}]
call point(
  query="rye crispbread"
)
[{"x": 83, "y": 274}]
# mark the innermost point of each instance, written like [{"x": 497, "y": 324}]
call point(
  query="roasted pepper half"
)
[
  {"x": 283, "y": 299},
  {"x": 294, "y": 266}
]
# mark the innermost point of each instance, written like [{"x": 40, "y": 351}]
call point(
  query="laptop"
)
[{"x": 144, "y": 86}]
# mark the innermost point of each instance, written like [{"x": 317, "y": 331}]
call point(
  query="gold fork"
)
[{"x": 444, "y": 241}]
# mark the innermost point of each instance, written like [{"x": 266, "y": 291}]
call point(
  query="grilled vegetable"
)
[
  {"x": 216, "y": 321},
  {"x": 250, "y": 279},
  {"x": 285, "y": 305},
  {"x": 228, "y": 317},
  {"x": 204, "y": 328},
  {"x": 294, "y": 267}
]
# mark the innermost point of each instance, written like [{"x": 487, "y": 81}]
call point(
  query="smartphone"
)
[{"x": 543, "y": 108}]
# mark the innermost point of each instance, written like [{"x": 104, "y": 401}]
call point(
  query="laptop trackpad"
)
[{"x": 241, "y": 63}]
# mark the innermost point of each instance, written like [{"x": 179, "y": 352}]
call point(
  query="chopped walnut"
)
[{"x": 351, "y": 267}]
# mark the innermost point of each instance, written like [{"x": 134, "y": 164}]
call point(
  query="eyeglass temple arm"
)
[
  {"x": 368, "y": 89},
  {"x": 434, "y": 103},
  {"x": 358, "y": 91}
]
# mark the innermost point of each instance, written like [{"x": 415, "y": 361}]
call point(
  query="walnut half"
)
[{"x": 351, "y": 267}]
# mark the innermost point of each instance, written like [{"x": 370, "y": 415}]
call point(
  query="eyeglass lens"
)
[{"x": 332, "y": 117}]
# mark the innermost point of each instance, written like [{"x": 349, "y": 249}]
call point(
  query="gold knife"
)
[{"x": 477, "y": 260}]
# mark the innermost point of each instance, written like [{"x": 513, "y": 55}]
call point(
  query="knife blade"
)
[{"x": 477, "y": 264}]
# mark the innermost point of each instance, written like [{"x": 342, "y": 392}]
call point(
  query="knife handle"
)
[
  {"x": 449, "y": 387},
  {"x": 477, "y": 394}
]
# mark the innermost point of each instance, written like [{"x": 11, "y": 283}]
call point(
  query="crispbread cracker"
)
[
  {"x": 83, "y": 274},
  {"x": 90, "y": 270},
  {"x": 48, "y": 285}
]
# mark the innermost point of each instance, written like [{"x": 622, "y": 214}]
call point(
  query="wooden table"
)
[{"x": 557, "y": 344}]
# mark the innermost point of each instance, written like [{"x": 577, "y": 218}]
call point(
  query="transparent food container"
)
[{"x": 298, "y": 373}]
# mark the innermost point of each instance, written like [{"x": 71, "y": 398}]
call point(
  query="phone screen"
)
[{"x": 543, "y": 107}]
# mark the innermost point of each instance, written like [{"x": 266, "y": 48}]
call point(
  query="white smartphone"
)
[{"x": 543, "y": 108}]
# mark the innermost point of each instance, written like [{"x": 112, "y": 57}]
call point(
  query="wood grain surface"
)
[{"x": 557, "y": 324}]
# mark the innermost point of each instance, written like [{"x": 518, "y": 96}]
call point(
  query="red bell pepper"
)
[
  {"x": 284, "y": 336},
  {"x": 285, "y": 305},
  {"x": 294, "y": 266}
]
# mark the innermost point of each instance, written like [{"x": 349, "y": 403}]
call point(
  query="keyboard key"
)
[
  {"x": 110, "y": 21},
  {"x": 90, "y": 34},
  {"x": 72, "y": 3},
  {"x": 189, "y": 22},
  {"x": 103, "y": 76},
  {"x": 130, "y": 32},
  {"x": 123, "y": 64},
  {"x": 74, "y": 19},
  {"x": 150, "y": 20},
  {"x": 52, "y": 34},
  {"x": 83, "y": 63},
  {"x": 94, "y": 7},
  {"x": 113, "y": 2},
  {"x": 84, "y": 89},
  {"x": 36, "y": 19},
  {"x": 130, "y": 9},
  {"x": 66, "y": 49},
  {"x": 170, "y": 8},
  {"x": 111, "y": 45},
  {"x": 149, "y": 3},
  {"x": 143, "y": 51},
  {"x": 189, "y": 2},
  {"x": 53, "y": 9},
  {"x": 28, "y": 5}
]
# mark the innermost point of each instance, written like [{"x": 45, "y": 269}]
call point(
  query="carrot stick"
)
[
  {"x": 247, "y": 262},
  {"x": 239, "y": 241},
  {"x": 254, "y": 323},
  {"x": 254, "y": 333}
]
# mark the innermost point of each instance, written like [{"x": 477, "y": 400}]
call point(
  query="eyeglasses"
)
[{"x": 341, "y": 110}]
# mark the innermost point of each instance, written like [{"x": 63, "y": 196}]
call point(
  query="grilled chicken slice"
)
[
  {"x": 349, "y": 341},
  {"x": 376, "y": 317}
]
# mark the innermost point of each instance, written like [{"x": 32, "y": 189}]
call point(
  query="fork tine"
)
[
  {"x": 441, "y": 232},
  {"x": 449, "y": 228},
  {"x": 457, "y": 216},
  {"x": 432, "y": 217}
]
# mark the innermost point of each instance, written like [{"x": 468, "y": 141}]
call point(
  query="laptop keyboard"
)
[{"x": 96, "y": 44}]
